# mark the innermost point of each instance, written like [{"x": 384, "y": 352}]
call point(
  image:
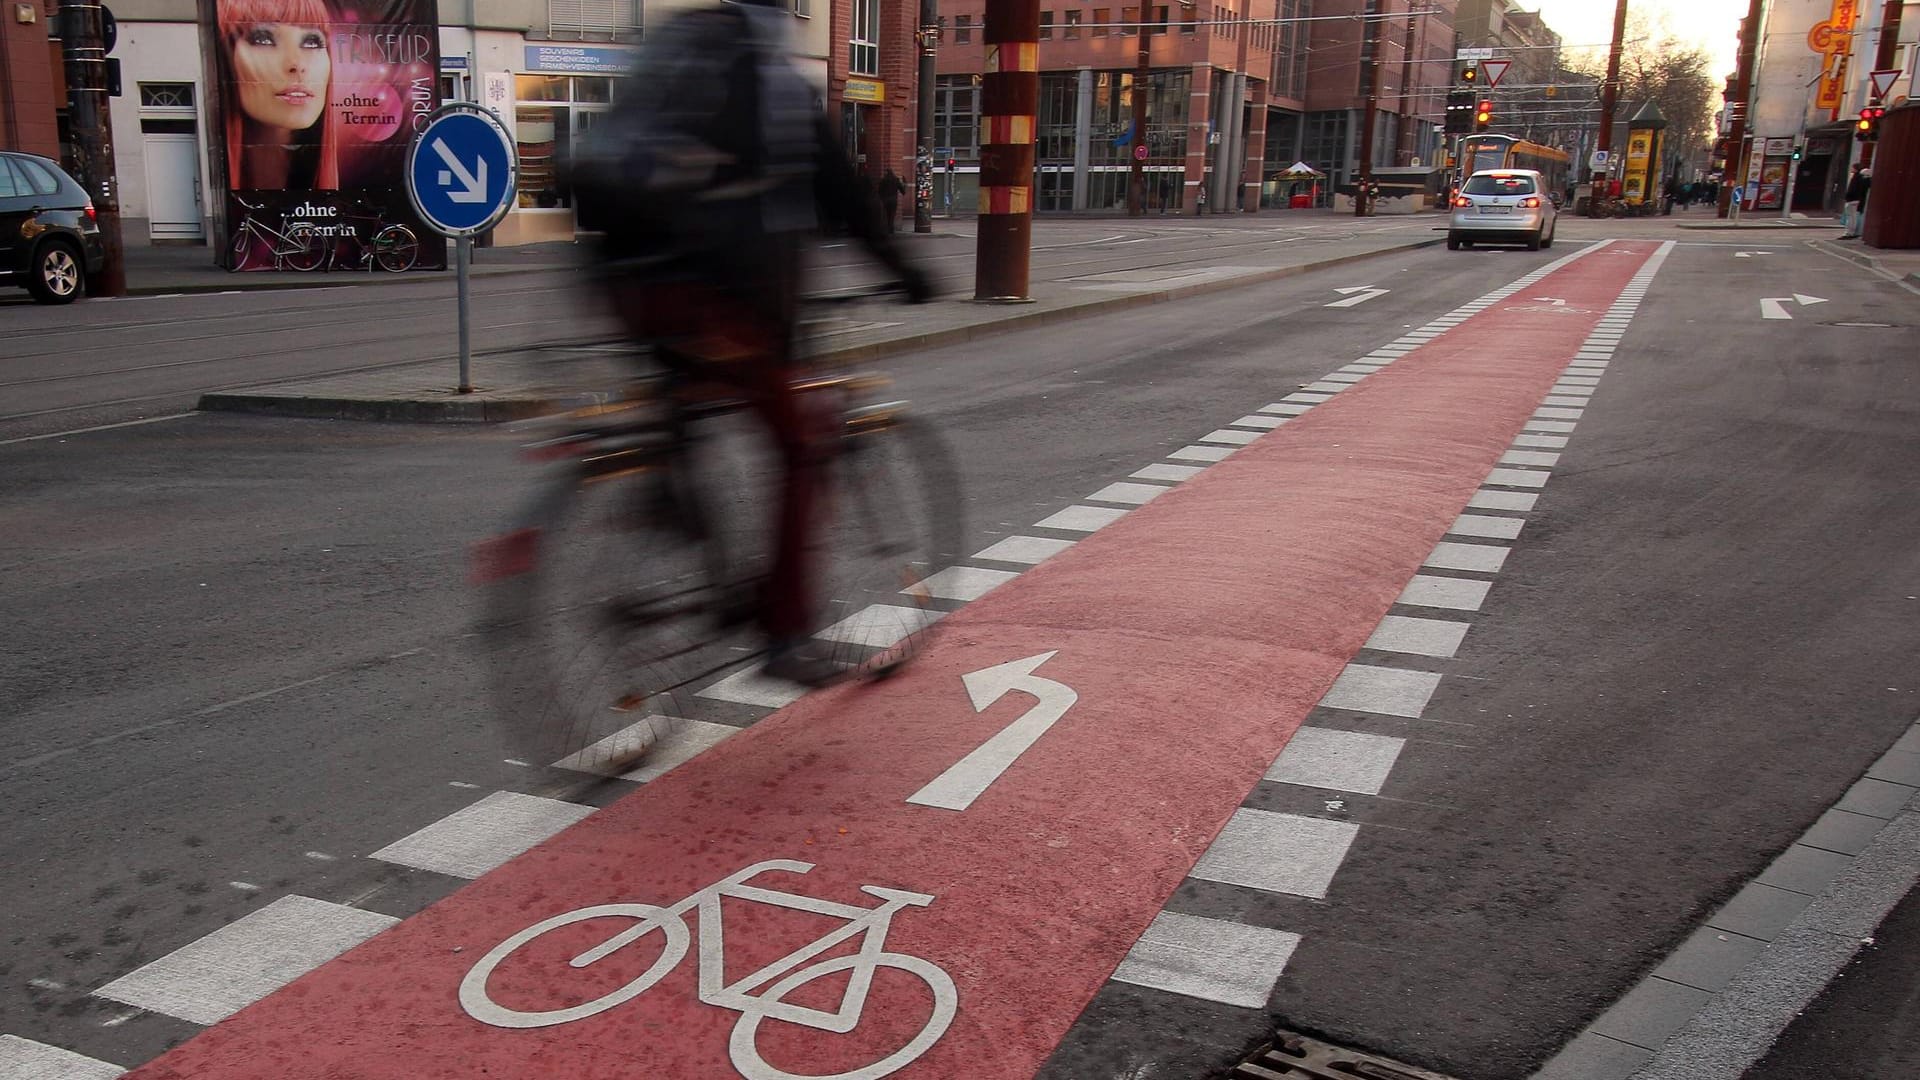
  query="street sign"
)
[
  {"x": 1600, "y": 160},
  {"x": 1140, "y": 152},
  {"x": 1494, "y": 69},
  {"x": 1473, "y": 54},
  {"x": 462, "y": 170},
  {"x": 1883, "y": 81}
]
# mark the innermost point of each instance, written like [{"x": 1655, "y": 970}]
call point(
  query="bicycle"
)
[
  {"x": 303, "y": 246},
  {"x": 622, "y": 581},
  {"x": 394, "y": 248}
]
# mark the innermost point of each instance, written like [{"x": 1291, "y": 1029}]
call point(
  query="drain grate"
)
[{"x": 1291, "y": 1056}]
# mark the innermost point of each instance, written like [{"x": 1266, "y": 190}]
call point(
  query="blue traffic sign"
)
[{"x": 461, "y": 170}]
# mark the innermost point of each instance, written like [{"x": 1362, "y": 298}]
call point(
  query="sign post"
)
[{"x": 462, "y": 172}]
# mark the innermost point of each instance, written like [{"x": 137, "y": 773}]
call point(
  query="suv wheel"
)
[{"x": 57, "y": 275}]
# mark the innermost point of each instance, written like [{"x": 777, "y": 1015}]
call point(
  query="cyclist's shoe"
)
[{"x": 806, "y": 662}]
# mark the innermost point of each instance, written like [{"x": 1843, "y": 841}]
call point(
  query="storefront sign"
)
[
  {"x": 1832, "y": 40},
  {"x": 314, "y": 106},
  {"x": 1780, "y": 147},
  {"x": 579, "y": 59},
  {"x": 864, "y": 90},
  {"x": 453, "y": 63}
]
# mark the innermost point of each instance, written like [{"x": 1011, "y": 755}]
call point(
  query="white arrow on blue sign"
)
[{"x": 462, "y": 170}]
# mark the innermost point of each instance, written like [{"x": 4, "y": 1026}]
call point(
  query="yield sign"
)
[
  {"x": 1883, "y": 81},
  {"x": 1493, "y": 69}
]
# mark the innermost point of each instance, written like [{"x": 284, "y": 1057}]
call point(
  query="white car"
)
[{"x": 1502, "y": 206}]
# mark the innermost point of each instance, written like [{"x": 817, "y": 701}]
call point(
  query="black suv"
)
[{"x": 49, "y": 240}]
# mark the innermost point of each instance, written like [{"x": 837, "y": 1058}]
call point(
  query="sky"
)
[{"x": 1714, "y": 24}]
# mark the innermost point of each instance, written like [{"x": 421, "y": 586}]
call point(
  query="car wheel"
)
[
  {"x": 1533, "y": 242},
  {"x": 1453, "y": 243},
  {"x": 57, "y": 276},
  {"x": 1548, "y": 242}
]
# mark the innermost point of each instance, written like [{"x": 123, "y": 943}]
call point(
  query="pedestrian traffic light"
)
[
  {"x": 1459, "y": 111},
  {"x": 1797, "y": 150},
  {"x": 1483, "y": 115},
  {"x": 1867, "y": 128}
]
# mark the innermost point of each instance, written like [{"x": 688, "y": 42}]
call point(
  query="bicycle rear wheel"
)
[
  {"x": 896, "y": 521},
  {"x": 395, "y": 248},
  {"x": 312, "y": 248},
  {"x": 600, "y": 609}
]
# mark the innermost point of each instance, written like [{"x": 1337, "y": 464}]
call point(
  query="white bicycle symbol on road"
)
[{"x": 740, "y": 996}]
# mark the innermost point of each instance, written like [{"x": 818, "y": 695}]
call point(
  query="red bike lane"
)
[{"x": 1144, "y": 680}]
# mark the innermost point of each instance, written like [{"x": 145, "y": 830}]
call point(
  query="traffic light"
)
[
  {"x": 1797, "y": 150},
  {"x": 1459, "y": 111},
  {"x": 1483, "y": 115},
  {"x": 1470, "y": 75},
  {"x": 1867, "y": 128}
]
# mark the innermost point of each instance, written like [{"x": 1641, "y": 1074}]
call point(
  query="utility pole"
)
[
  {"x": 1609, "y": 99},
  {"x": 1009, "y": 102},
  {"x": 923, "y": 161},
  {"x": 1742, "y": 92},
  {"x": 83, "y": 50},
  {"x": 1361, "y": 202},
  {"x": 1142, "y": 80}
]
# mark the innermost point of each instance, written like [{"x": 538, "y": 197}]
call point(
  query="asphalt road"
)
[{"x": 241, "y": 663}]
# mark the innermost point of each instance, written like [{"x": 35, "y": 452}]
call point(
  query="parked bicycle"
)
[
  {"x": 640, "y": 561},
  {"x": 392, "y": 247},
  {"x": 303, "y": 246},
  {"x": 751, "y": 995}
]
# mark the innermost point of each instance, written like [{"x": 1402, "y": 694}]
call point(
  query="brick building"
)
[
  {"x": 1412, "y": 44},
  {"x": 33, "y": 90},
  {"x": 872, "y": 68}
]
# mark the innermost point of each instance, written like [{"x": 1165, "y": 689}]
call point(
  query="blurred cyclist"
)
[{"x": 714, "y": 167}]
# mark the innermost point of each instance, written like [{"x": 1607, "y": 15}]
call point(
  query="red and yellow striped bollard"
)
[{"x": 1009, "y": 101}]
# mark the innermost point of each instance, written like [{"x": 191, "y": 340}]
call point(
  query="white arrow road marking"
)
[
  {"x": 967, "y": 778},
  {"x": 1774, "y": 307},
  {"x": 475, "y": 185},
  {"x": 1749, "y": 254},
  {"x": 1367, "y": 292},
  {"x": 1554, "y": 300}
]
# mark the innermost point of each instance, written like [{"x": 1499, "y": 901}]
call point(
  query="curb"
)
[
  {"x": 1861, "y": 258},
  {"x": 261, "y": 402},
  {"x": 327, "y": 282}
]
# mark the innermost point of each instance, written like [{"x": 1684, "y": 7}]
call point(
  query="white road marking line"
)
[
  {"x": 96, "y": 427},
  {"x": 1418, "y": 637},
  {"x": 1255, "y": 420},
  {"x": 1529, "y": 457},
  {"x": 1324, "y": 387},
  {"x": 1279, "y": 853},
  {"x": 208, "y": 980},
  {"x": 1345, "y": 376},
  {"x": 752, "y": 686},
  {"x": 1131, "y": 494},
  {"x": 1348, "y": 761},
  {"x": 1553, "y": 441},
  {"x": 1493, "y": 528},
  {"x": 1073, "y": 519},
  {"x": 880, "y": 625},
  {"x": 1310, "y": 399},
  {"x": 1559, "y": 427},
  {"x": 1495, "y": 499},
  {"x": 225, "y": 705},
  {"x": 1382, "y": 690},
  {"x": 1574, "y": 401},
  {"x": 674, "y": 742},
  {"x": 1454, "y": 594},
  {"x": 1174, "y": 473},
  {"x": 1210, "y": 959},
  {"x": 1474, "y": 558},
  {"x": 1545, "y": 413},
  {"x": 244, "y": 886},
  {"x": 1286, "y": 408},
  {"x": 24, "y": 1059},
  {"x": 1520, "y": 478},
  {"x": 969, "y": 583},
  {"x": 1202, "y": 453},
  {"x": 469, "y": 842},
  {"x": 1023, "y": 549}
]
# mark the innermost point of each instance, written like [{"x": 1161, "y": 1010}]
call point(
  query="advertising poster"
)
[
  {"x": 314, "y": 104},
  {"x": 1639, "y": 154}
]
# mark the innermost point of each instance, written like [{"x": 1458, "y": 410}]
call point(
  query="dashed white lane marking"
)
[
  {"x": 1520, "y": 478},
  {"x": 967, "y": 583},
  {"x": 1548, "y": 413},
  {"x": 1282, "y": 853},
  {"x": 1211, "y": 959},
  {"x": 751, "y": 686},
  {"x": 1230, "y": 436},
  {"x": 1492, "y": 499},
  {"x": 1175, "y": 473},
  {"x": 1079, "y": 519},
  {"x": 880, "y": 625},
  {"x": 1552, "y": 427},
  {"x": 1308, "y": 399},
  {"x": 1285, "y": 408},
  {"x": 468, "y": 843},
  {"x": 1554, "y": 441},
  {"x": 216, "y": 976},
  {"x": 1382, "y": 690},
  {"x": 1127, "y": 493},
  {"x": 674, "y": 741},
  {"x": 1202, "y": 453},
  {"x": 1493, "y": 528},
  {"x": 24, "y": 1059},
  {"x": 1349, "y": 761},
  {"x": 1475, "y": 558},
  {"x": 1255, "y": 420},
  {"x": 1023, "y": 549},
  {"x": 1525, "y": 457},
  {"x": 1454, "y": 594},
  {"x": 1417, "y": 636}
]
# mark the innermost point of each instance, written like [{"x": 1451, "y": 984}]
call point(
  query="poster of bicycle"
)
[{"x": 312, "y": 105}]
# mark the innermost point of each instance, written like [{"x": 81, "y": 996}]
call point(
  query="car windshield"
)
[{"x": 1499, "y": 185}]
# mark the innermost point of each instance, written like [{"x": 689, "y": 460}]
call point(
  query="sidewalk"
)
[
  {"x": 533, "y": 382},
  {"x": 160, "y": 269}
]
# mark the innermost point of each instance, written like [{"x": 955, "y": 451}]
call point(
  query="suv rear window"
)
[
  {"x": 11, "y": 184},
  {"x": 1499, "y": 185},
  {"x": 37, "y": 176}
]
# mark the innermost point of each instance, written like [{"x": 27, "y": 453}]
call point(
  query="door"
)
[{"x": 173, "y": 185}]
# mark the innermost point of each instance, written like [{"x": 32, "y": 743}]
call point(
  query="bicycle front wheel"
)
[
  {"x": 896, "y": 522},
  {"x": 396, "y": 249},
  {"x": 310, "y": 248},
  {"x": 242, "y": 248},
  {"x": 598, "y": 613}
]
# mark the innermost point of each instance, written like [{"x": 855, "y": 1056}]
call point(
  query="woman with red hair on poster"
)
[{"x": 276, "y": 72}]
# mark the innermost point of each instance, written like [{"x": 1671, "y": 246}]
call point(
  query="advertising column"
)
[{"x": 314, "y": 103}]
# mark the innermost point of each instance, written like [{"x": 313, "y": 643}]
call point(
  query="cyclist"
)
[{"x": 713, "y": 168}]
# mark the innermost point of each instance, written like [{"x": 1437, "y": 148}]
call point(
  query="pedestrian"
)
[
  {"x": 1201, "y": 202},
  {"x": 1853, "y": 216},
  {"x": 890, "y": 191}
]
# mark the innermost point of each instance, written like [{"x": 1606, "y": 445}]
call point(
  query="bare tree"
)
[{"x": 1671, "y": 73}]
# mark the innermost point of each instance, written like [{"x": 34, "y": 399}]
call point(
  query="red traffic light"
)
[{"x": 1483, "y": 113}]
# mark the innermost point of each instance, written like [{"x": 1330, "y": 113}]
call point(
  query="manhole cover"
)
[{"x": 1292, "y": 1056}]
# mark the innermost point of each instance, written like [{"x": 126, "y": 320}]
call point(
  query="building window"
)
[
  {"x": 552, "y": 113},
  {"x": 963, "y": 29},
  {"x": 863, "y": 50},
  {"x": 801, "y": 8},
  {"x": 593, "y": 20},
  {"x": 1190, "y": 19},
  {"x": 1102, "y": 17},
  {"x": 1073, "y": 25},
  {"x": 1046, "y": 26},
  {"x": 166, "y": 95},
  {"x": 956, "y": 116}
]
